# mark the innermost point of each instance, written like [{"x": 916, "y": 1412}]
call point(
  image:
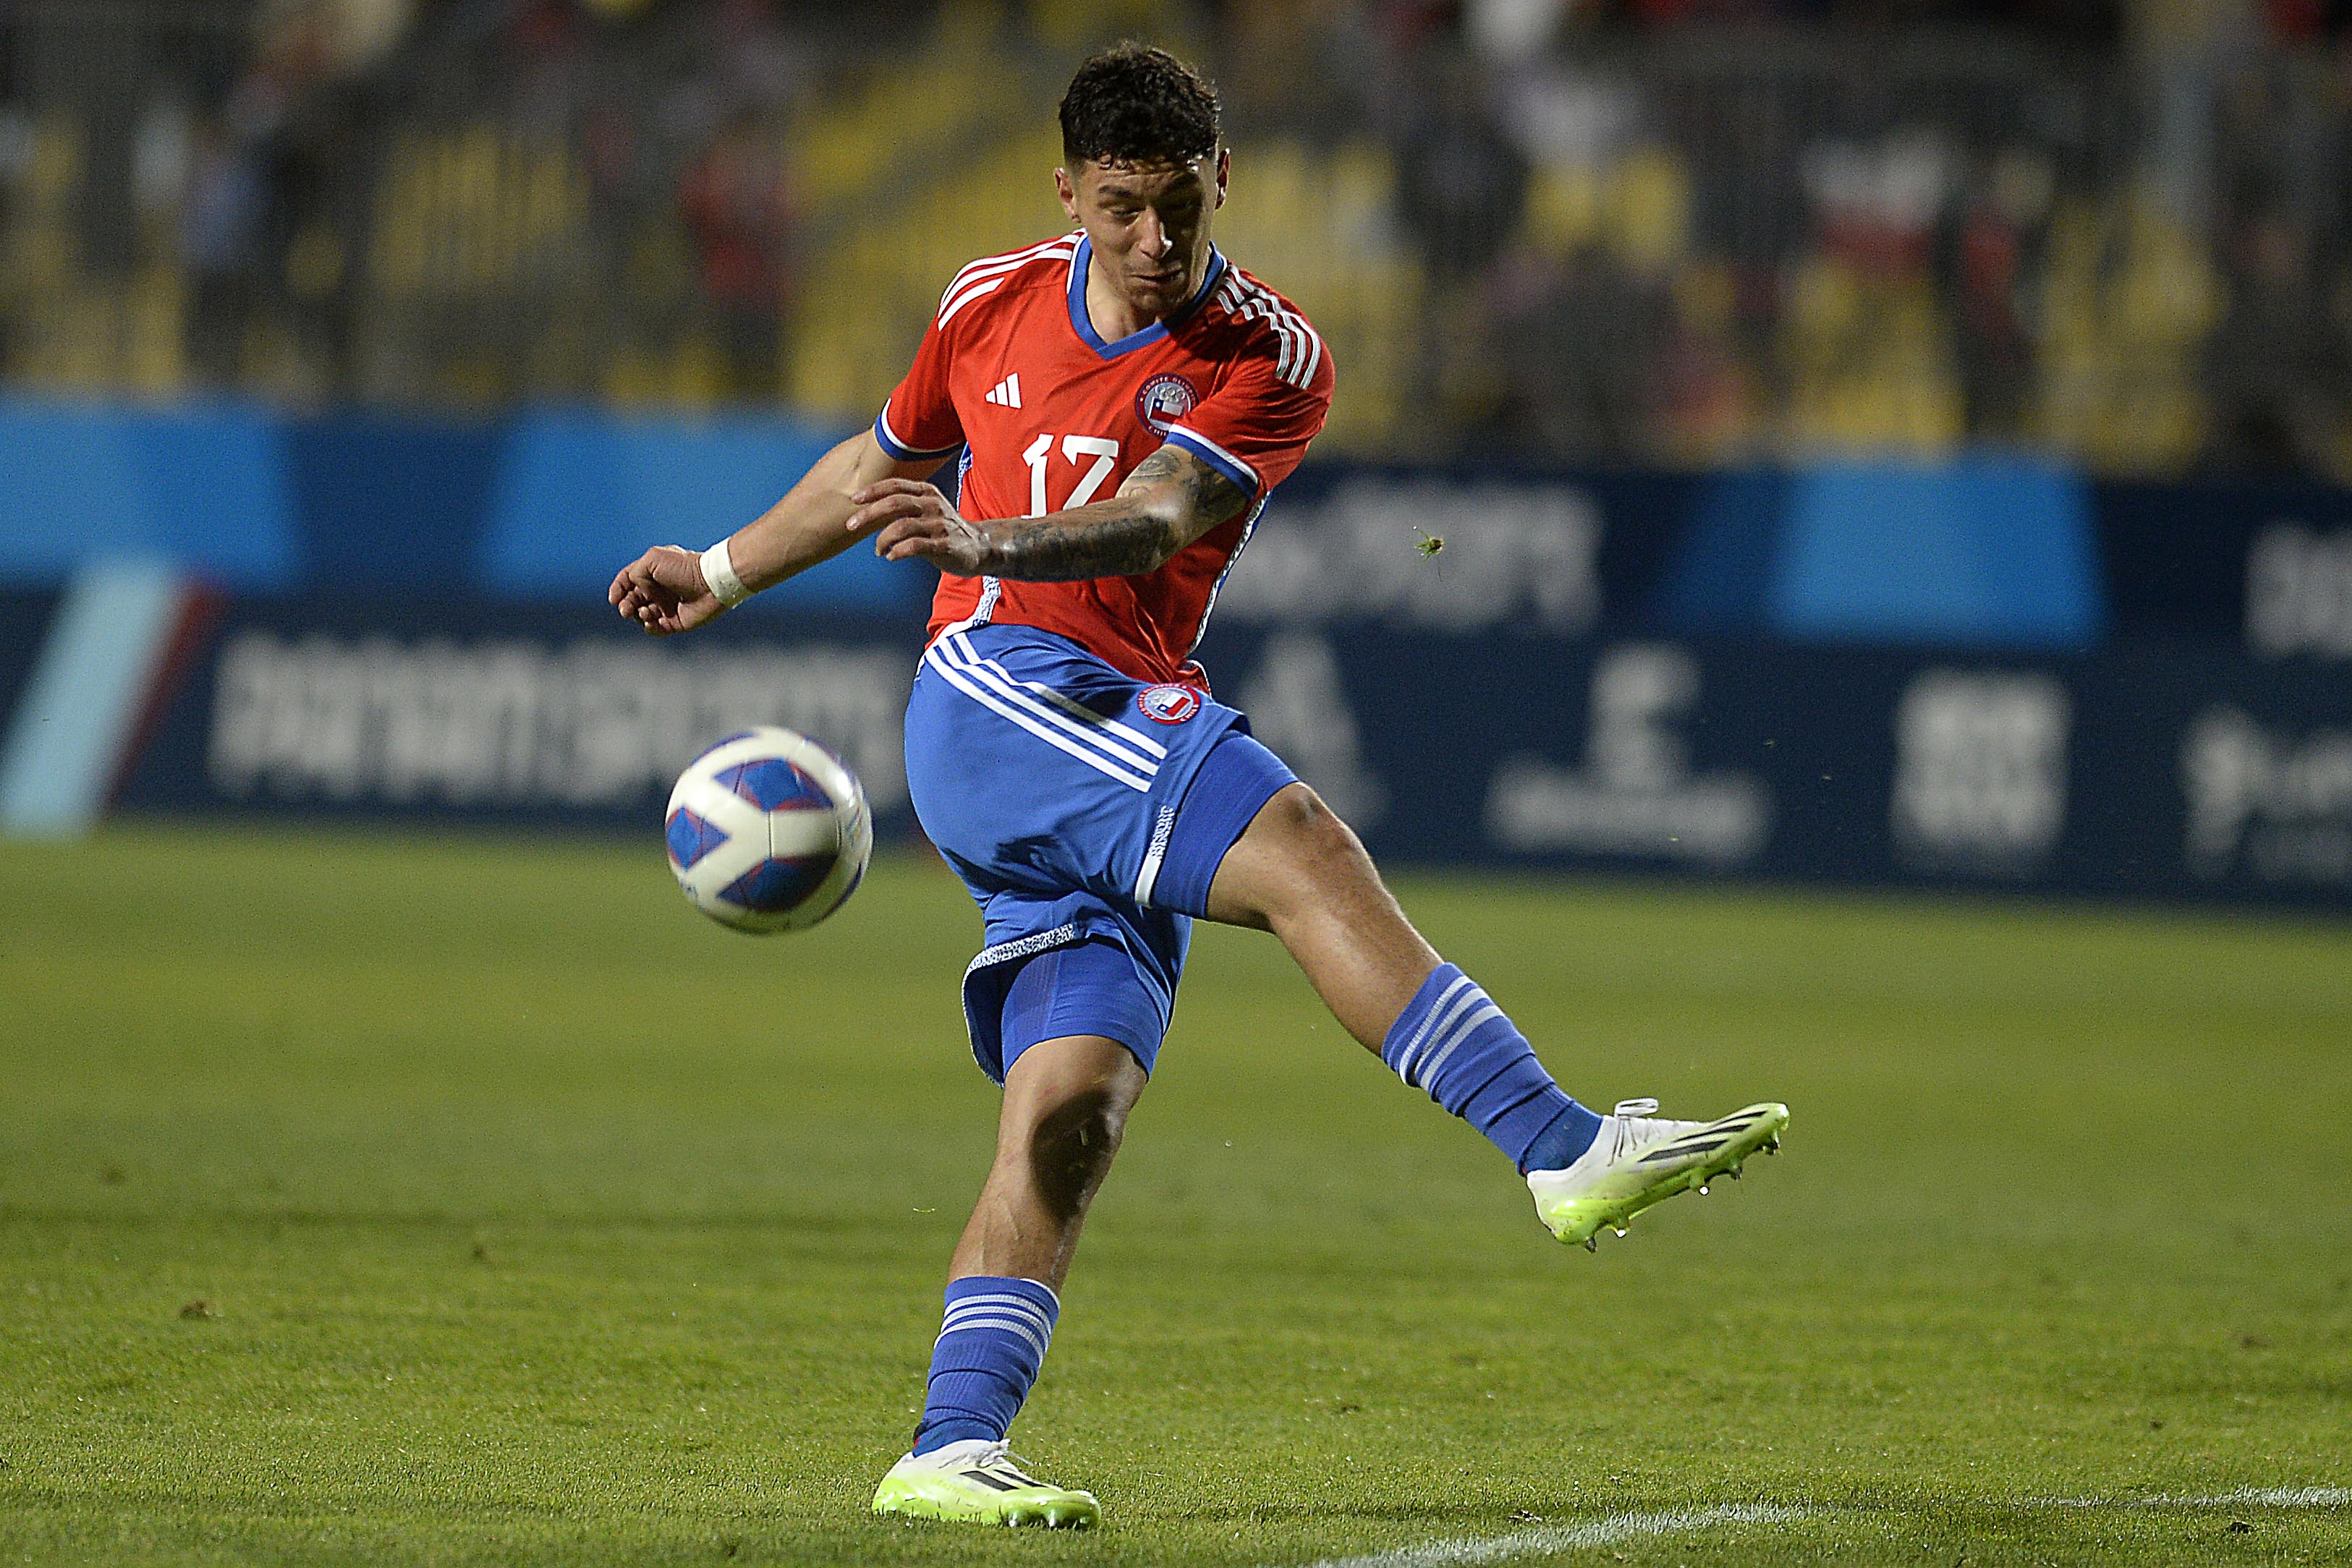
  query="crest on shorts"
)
[
  {"x": 1169, "y": 704},
  {"x": 1163, "y": 400}
]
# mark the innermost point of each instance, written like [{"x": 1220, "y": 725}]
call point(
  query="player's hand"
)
[
  {"x": 918, "y": 524},
  {"x": 663, "y": 592}
]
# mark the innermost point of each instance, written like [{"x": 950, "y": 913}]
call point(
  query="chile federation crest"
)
[
  {"x": 1169, "y": 704},
  {"x": 1163, "y": 400}
]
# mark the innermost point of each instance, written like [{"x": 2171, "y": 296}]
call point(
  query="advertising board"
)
[{"x": 2167, "y": 774}]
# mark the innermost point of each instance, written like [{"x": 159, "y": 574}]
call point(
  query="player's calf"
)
[
  {"x": 1299, "y": 872},
  {"x": 1066, "y": 1105}
]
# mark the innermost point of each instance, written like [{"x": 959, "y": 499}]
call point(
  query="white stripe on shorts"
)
[
  {"x": 966, "y": 659},
  {"x": 1107, "y": 733},
  {"x": 1148, "y": 877},
  {"x": 1092, "y": 758}
]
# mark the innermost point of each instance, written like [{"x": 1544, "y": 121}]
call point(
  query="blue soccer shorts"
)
[{"x": 1087, "y": 812}]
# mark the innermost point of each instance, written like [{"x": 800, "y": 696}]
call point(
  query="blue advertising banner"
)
[
  {"x": 1990, "y": 672},
  {"x": 528, "y": 714},
  {"x": 543, "y": 505},
  {"x": 1985, "y": 551},
  {"x": 2169, "y": 774},
  {"x": 2262, "y": 567},
  {"x": 2165, "y": 774},
  {"x": 29, "y": 616}
]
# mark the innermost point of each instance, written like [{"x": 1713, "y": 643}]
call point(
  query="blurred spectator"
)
[
  {"x": 1462, "y": 183},
  {"x": 1876, "y": 206},
  {"x": 1996, "y": 246},
  {"x": 295, "y": 118},
  {"x": 220, "y": 244},
  {"x": 736, "y": 205},
  {"x": 543, "y": 42},
  {"x": 2280, "y": 368},
  {"x": 1580, "y": 342},
  {"x": 752, "y": 60},
  {"x": 1312, "y": 68}
]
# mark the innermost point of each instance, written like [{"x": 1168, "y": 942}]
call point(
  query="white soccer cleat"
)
[
  {"x": 980, "y": 1482},
  {"x": 1639, "y": 1158}
]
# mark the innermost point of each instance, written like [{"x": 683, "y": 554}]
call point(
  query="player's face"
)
[{"x": 1148, "y": 224}]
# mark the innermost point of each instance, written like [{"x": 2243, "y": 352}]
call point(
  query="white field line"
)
[
  {"x": 1607, "y": 1532},
  {"x": 1617, "y": 1527}
]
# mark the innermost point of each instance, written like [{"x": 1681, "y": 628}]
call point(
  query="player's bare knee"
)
[
  {"x": 1071, "y": 1145},
  {"x": 1334, "y": 844},
  {"x": 1320, "y": 855},
  {"x": 1281, "y": 865}
]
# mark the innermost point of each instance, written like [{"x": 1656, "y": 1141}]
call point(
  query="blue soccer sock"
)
[
  {"x": 1455, "y": 1042},
  {"x": 989, "y": 1351}
]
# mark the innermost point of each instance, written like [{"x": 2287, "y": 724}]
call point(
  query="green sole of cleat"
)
[
  {"x": 1585, "y": 1219},
  {"x": 1069, "y": 1510}
]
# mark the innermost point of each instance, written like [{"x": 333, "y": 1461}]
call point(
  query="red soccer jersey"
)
[{"x": 1050, "y": 416}]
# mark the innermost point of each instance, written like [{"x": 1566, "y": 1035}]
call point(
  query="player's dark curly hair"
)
[{"x": 1136, "y": 104}]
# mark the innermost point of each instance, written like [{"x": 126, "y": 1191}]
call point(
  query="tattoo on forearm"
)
[
  {"x": 1123, "y": 536},
  {"x": 1125, "y": 541},
  {"x": 1210, "y": 497}
]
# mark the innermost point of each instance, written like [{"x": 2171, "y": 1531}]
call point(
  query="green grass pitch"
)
[{"x": 449, "y": 1200}]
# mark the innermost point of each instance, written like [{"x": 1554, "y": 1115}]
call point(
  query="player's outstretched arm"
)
[
  {"x": 667, "y": 588},
  {"x": 1171, "y": 499}
]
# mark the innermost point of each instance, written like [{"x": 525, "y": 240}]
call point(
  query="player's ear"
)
[
  {"x": 1225, "y": 172},
  {"x": 1067, "y": 191}
]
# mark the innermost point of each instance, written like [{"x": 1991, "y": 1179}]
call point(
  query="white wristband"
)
[{"x": 718, "y": 576}]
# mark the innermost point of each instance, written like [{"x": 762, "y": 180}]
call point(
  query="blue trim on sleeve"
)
[
  {"x": 904, "y": 453},
  {"x": 1244, "y": 480}
]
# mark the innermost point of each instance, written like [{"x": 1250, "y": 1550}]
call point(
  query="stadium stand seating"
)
[{"x": 502, "y": 219}]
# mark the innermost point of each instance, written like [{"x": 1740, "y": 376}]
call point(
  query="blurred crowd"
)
[
  {"x": 1692, "y": 229},
  {"x": 1636, "y": 231}
]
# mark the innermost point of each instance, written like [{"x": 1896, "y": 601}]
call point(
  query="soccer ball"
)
[{"x": 768, "y": 831}]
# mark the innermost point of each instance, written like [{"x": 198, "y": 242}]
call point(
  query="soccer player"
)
[{"x": 1126, "y": 399}]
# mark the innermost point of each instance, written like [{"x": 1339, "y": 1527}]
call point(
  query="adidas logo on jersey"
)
[{"x": 1007, "y": 392}]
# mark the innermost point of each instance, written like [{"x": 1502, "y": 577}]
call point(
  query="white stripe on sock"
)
[
  {"x": 1469, "y": 1026},
  {"x": 1404, "y": 1057},
  {"x": 1013, "y": 1304},
  {"x": 1031, "y": 1321},
  {"x": 1014, "y": 1326},
  {"x": 1009, "y": 1297},
  {"x": 1410, "y": 1068}
]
